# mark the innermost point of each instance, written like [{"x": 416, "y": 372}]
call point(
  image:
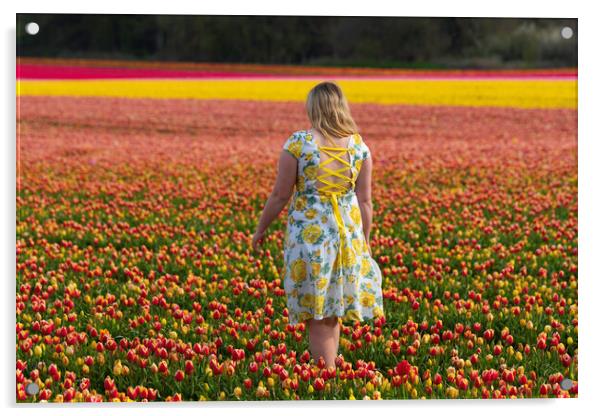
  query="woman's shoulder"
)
[
  {"x": 294, "y": 144},
  {"x": 300, "y": 135},
  {"x": 304, "y": 135}
]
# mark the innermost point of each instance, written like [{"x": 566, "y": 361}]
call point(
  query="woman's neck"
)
[{"x": 316, "y": 133}]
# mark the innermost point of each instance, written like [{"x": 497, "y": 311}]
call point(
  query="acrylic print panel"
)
[{"x": 148, "y": 146}]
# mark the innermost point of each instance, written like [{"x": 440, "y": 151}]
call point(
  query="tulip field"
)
[{"x": 139, "y": 187}]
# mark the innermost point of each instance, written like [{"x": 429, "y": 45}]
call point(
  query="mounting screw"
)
[
  {"x": 32, "y": 389},
  {"x": 32, "y": 28},
  {"x": 566, "y": 383}
]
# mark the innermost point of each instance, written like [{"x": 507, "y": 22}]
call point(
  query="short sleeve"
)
[
  {"x": 293, "y": 145},
  {"x": 365, "y": 151}
]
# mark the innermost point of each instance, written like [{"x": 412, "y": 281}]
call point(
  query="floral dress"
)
[{"x": 328, "y": 270}]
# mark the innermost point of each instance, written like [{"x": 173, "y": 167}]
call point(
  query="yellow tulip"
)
[{"x": 117, "y": 368}]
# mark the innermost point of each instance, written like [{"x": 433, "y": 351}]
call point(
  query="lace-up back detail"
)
[{"x": 333, "y": 168}]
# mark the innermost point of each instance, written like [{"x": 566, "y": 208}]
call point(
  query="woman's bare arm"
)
[
  {"x": 283, "y": 189},
  {"x": 363, "y": 191}
]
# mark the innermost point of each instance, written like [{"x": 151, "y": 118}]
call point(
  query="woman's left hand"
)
[{"x": 258, "y": 239}]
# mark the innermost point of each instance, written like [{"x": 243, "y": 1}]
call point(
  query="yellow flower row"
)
[{"x": 473, "y": 92}]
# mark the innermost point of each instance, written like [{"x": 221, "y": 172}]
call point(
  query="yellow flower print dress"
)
[{"x": 328, "y": 270}]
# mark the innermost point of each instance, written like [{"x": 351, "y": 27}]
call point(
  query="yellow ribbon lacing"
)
[{"x": 334, "y": 152}]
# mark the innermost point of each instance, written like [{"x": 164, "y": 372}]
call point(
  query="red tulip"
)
[
  {"x": 84, "y": 384},
  {"x": 215, "y": 367},
  {"x": 488, "y": 334},
  {"x": 132, "y": 393},
  {"x": 305, "y": 375},
  {"x": 179, "y": 376},
  {"x": 248, "y": 383},
  {"x": 319, "y": 383},
  {"x": 69, "y": 394},
  {"x": 163, "y": 367},
  {"x": 109, "y": 383},
  {"x": 462, "y": 383},
  {"x": 305, "y": 357},
  {"x": 403, "y": 367},
  {"x": 189, "y": 367}
]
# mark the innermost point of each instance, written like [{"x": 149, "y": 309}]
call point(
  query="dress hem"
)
[{"x": 362, "y": 318}]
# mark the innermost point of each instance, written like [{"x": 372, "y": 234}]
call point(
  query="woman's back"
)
[{"x": 326, "y": 167}]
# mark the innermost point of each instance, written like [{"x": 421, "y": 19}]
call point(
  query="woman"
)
[{"x": 329, "y": 273}]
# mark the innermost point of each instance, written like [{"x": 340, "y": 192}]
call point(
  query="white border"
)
[{"x": 590, "y": 208}]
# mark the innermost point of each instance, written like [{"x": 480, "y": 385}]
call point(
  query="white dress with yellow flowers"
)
[{"x": 328, "y": 270}]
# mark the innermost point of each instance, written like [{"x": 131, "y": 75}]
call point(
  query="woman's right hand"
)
[{"x": 258, "y": 240}]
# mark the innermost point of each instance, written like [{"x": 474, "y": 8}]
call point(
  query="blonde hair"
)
[{"x": 328, "y": 111}]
